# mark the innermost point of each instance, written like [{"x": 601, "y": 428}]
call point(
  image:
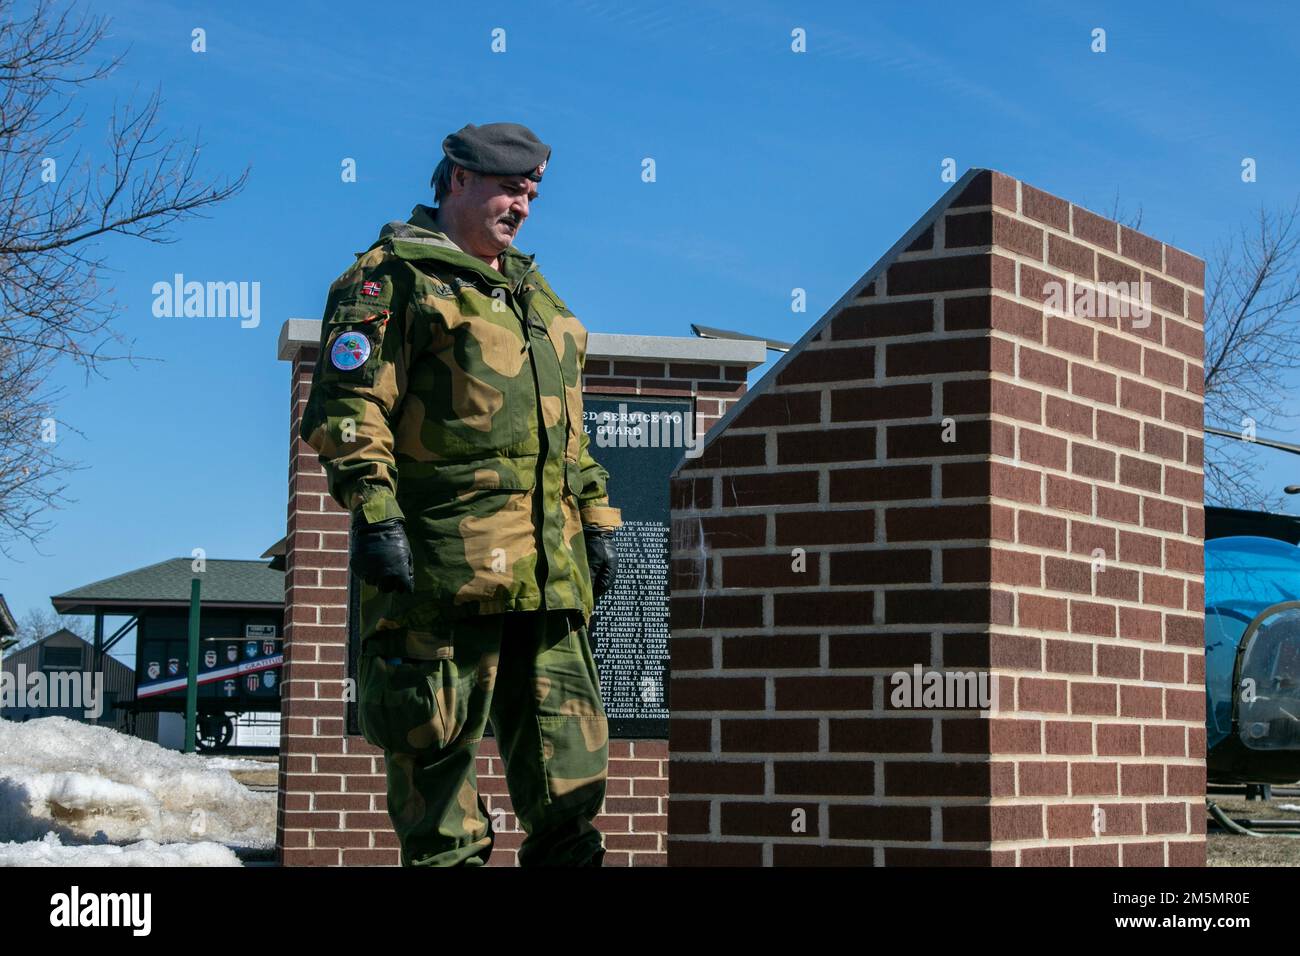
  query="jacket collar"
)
[{"x": 419, "y": 239}]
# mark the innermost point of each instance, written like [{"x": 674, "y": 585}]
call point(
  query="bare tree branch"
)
[
  {"x": 55, "y": 209},
  {"x": 1251, "y": 347},
  {"x": 42, "y": 622},
  {"x": 1117, "y": 214}
]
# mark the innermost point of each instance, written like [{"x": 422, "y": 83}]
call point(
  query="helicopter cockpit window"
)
[
  {"x": 1268, "y": 685},
  {"x": 1224, "y": 628}
]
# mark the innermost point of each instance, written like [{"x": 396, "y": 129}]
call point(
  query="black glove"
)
[
  {"x": 381, "y": 555},
  {"x": 602, "y": 559}
]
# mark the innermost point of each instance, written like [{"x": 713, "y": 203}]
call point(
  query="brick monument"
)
[{"x": 987, "y": 456}]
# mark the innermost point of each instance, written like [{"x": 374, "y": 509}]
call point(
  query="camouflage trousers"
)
[{"x": 425, "y": 700}]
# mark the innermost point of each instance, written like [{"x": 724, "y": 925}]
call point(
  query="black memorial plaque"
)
[{"x": 638, "y": 441}]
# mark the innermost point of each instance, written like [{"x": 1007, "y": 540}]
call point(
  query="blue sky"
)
[{"x": 775, "y": 170}]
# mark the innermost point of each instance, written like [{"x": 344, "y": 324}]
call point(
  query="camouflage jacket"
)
[{"x": 449, "y": 394}]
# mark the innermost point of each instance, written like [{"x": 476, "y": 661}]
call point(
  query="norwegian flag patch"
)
[{"x": 372, "y": 288}]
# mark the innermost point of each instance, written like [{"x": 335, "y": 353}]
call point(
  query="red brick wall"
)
[
  {"x": 1071, "y": 440},
  {"x": 332, "y": 790}
]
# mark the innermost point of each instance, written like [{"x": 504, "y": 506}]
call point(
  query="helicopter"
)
[{"x": 1252, "y": 642}]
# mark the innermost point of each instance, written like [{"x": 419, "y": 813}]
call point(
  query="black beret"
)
[{"x": 498, "y": 149}]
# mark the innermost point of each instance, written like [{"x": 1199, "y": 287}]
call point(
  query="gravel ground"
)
[{"x": 1228, "y": 849}]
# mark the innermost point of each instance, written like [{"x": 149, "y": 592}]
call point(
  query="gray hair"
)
[{"x": 442, "y": 179}]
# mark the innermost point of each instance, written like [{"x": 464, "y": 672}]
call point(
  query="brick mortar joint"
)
[{"x": 1020, "y": 216}]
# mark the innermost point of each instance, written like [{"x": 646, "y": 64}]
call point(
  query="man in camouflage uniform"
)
[{"x": 446, "y": 406}]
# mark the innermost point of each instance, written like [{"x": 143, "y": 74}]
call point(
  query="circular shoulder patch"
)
[{"x": 350, "y": 351}]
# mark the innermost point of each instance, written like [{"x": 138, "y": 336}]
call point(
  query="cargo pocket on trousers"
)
[
  {"x": 575, "y": 754},
  {"x": 404, "y": 707}
]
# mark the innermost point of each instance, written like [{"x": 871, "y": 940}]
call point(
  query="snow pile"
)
[
  {"x": 50, "y": 852},
  {"x": 94, "y": 785},
  {"x": 238, "y": 763}
]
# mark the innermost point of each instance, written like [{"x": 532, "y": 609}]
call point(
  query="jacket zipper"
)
[
  {"x": 528, "y": 325},
  {"x": 526, "y": 319}
]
